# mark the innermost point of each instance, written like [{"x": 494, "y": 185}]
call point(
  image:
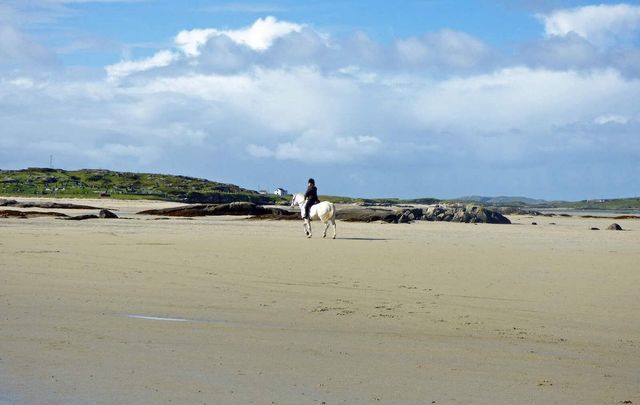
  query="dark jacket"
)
[{"x": 312, "y": 195}]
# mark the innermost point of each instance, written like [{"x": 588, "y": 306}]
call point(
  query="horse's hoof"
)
[{"x": 309, "y": 236}]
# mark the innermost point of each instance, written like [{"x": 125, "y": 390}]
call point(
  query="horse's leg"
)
[
  {"x": 307, "y": 227},
  {"x": 326, "y": 226},
  {"x": 333, "y": 222}
]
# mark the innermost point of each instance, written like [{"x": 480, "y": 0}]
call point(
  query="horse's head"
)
[{"x": 297, "y": 199}]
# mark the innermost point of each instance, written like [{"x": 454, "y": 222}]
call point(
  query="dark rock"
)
[
  {"x": 81, "y": 217},
  {"x": 366, "y": 214},
  {"x": 468, "y": 214},
  {"x": 234, "y": 208},
  {"x": 29, "y": 214},
  {"x": 406, "y": 217},
  {"x": 197, "y": 210},
  {"x": 595, "y": 229},
  {"x": 614, "y": 227},
  {"x": 534, "y": 223},
  {"x": 390, "y": 219},
  {"x": 51, "y": 205},
  {"x": 107, "y": 214}
]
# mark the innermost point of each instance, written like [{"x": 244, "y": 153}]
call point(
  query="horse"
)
[{"x": 324, "y": 211}]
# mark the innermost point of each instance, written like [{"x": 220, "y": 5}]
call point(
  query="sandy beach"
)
[{"x": 225, "y": 310}]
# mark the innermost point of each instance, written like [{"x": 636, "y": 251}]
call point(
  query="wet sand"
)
[{"x": 222, "y": 310}]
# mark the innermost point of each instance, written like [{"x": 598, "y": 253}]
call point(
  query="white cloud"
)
[
  {"x": 263, "y": 32},
  {"x": 18, "y": 48},
  {"x": 111, "y": 152},
  {"x": 259, "y": 151},
  {"x": 125, "y": 68},
  {"x": 259, "y": 36},
  {"x": 444, "y": 49},
  {"x": 532, "y": 100},
  {"x": 320, "y": 148},
  {"x": 600, "y": 24},
  {"x": 23, "y": 82},
  {"x": 611, "y": 118},
  {"x": 190, "y": 41}
]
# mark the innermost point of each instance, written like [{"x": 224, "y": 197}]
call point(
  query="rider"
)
[{"x": 311, "y": 197}]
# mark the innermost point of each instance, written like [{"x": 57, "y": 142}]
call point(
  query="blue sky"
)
[{"x": 372, "y": 98}]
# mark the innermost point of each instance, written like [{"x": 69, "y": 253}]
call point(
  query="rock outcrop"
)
[
  {"x": 82, "y": 217},
  {"x": 234, "y": 208},
  {"x": 614, "y": 227},
  {"x": 44, "y": 204},
  {"x": 29, "y": 214},
  {"x": 365, "y": 214},
  {"x": 449, "y": 213},
  {"x": 468, "y": 214}
]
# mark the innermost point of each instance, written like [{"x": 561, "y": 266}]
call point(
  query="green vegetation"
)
[
  {"x": 377, "y": 201},
  {"x": 123, "y": 185},
  {"x": 604, "y": 204},
  {"x": 528, "y": 203},
  {"x": 104, "y": 183}
]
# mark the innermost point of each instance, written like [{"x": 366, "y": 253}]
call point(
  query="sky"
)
[{"x": 377, "y": 98}]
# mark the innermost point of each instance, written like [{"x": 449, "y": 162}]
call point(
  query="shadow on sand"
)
[{"x": 376, "y": 239}]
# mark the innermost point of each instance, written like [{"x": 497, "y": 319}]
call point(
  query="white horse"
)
[{"x": 324, "y": 211}]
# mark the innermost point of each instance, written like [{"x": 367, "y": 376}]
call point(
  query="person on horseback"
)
[{"x": 311, "y": 197}]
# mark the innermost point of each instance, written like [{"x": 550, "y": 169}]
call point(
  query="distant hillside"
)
[
  {"x": 598, "y": 204},
  {"x": 378, "y": 201},
  {"x": 95, "y": 182},
  {"x": 632, "y": 203},
  {"x": 502, "y": 200}
]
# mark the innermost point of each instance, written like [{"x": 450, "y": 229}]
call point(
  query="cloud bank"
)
[
  {"x": 601, "y": 24},
  {"x": 440, "y": 114}
]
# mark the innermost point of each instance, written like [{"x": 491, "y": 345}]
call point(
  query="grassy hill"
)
[
  {"x": 604, "y": 204},
  {"x": 524, "y": 202},
  {"x": 124, "y": 185},
  {"x": 503, "y": 201}
]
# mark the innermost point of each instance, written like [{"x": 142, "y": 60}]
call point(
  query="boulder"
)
[
  {"x": 614, "y": 227},
  {"x": 405, "y": 218},
  {"x": 107, "y": 214}
]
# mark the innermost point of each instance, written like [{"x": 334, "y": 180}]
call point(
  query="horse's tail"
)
[{"x": 330, "y": 215}]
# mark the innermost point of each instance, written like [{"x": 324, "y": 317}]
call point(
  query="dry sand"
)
[{"x": 222, "y": 310}]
